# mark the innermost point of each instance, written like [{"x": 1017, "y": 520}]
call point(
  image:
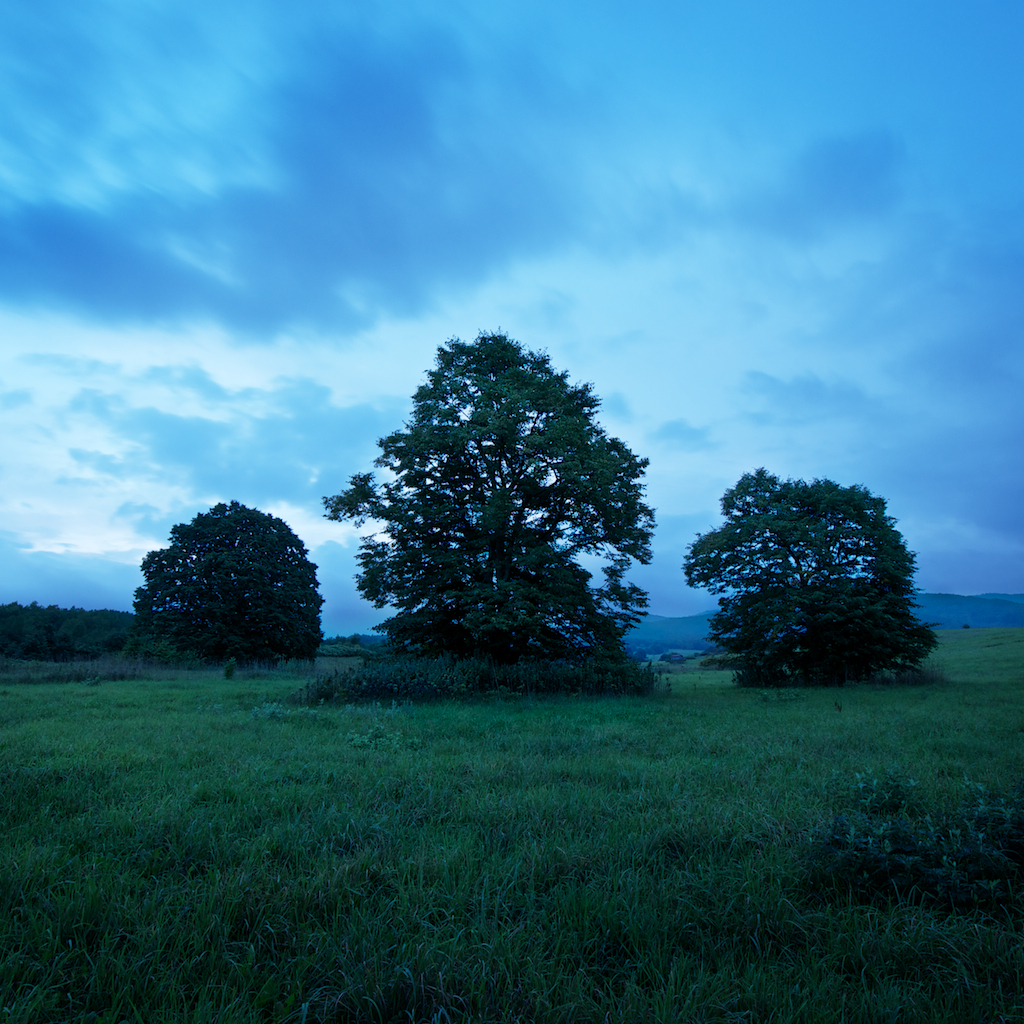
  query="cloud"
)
[
  {"x": 617, "y": 406},
  {"x": 825, "y": 255},
  {"x": 69, "y": 365},
  {"x": 805, "y": 398},
  {"x": 681, "y": 435},
  {"x": 387, "y": 166},
  {"x": 344, "y": 611},
  {"x": 147, "y": 519},
  {"x": 68, "y": 580},
  {"x": 15, "y": 399},
  {"x": 939, "y": 325},
  {"x": 833, "y": 183},
  {"x": 188, "y": 378},
  {"x": 663, "y": 578},
  {"x": 107, "y": 100},
  {"x": 92, "y": 581},
  {"x": 974, "y": 568},
  {"x": 290, "y": 443}
]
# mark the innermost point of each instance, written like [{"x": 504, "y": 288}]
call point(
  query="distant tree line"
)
[
  {"x": 34, "y": 632},
  {"x": 358, "y": 645}
]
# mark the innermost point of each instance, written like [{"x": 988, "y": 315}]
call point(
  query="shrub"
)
[
  {"x": 348, "y": 649},
  {"x": 159, "y": 650},
  {"x": 403, "y": 678},
  {"x": 761, "y": 677},
  {"x": 961, "y": 861}
]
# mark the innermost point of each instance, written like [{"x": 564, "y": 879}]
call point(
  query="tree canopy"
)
[
  {"x": 501, "y": 483},
  {"x": 60, "y": 634},
  {"x": 234, "y": 582},
  {"x": 818, "y": 583}
]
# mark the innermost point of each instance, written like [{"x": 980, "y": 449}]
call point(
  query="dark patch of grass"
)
[
  {"x": 103, "y": 669},
  {"x": 970, "y": 859}
]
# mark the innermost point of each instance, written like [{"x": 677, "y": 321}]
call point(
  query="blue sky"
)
[{"x": 233, "y": 236}]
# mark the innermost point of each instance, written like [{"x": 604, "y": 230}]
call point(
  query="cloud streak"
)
[
  {"x": 382, "y": 176},
  {"x": 835, "y": 183},
  {"x": 296, "y": 445}
]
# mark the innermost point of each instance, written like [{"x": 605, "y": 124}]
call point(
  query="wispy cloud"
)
[
  {"x": 806, "y": 398},
  {"x": 680, "y": 434},
  {"x": 379, "y": 174},
  {"x": 834, "y": 183},
  {"x": 297, "y": 445}
]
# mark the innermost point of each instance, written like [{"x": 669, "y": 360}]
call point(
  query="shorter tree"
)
[
  {"x": 818, "y": 583},
  {"x": 234, "y": 583}
]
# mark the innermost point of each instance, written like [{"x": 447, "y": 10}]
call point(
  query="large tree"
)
[
  {"x": 818, "y": 583},
  {"x": 501, "y": 483},
  {"x": 234, "y": 582}
]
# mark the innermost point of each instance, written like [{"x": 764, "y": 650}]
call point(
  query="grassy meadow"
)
[{"x": 191, "y": 848}]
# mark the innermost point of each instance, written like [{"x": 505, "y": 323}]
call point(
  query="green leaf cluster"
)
[
  {"x": 817, "y": 583},
  {"x": 501, "y": 484},
  {"x": 233, "y": 583}
]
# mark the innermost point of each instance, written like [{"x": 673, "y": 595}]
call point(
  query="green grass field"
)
[{"x": 190, "y": 848}]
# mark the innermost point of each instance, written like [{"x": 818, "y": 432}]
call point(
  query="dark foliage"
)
[
  {"x": 354, "y": 646},
  {"x": 405, "y": 678},
  {"x": 32, "y": 632},
  {"x": 502, "y": 481},
  {"x": 973, "y": 859},
  {"x": 818, "y": 584},
  {"x": 234, "y": 583}
]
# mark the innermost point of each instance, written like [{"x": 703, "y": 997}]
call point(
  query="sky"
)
[{"x": 234, "y": 235}]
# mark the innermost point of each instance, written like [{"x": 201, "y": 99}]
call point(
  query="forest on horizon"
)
[{"x": 49, "y": 633}]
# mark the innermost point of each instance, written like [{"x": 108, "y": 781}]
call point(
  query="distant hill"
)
[
  {"x": 952, "y": 611},
  {"x": 657, "y": 633}
]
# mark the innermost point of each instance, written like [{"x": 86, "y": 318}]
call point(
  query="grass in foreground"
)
[{"x": 195, "y": 849}]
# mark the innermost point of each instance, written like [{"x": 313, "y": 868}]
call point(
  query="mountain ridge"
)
[{"x": 656, "y": 634}]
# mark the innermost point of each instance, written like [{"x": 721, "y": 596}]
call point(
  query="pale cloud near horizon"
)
[{"x": 231, "y": 243}]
